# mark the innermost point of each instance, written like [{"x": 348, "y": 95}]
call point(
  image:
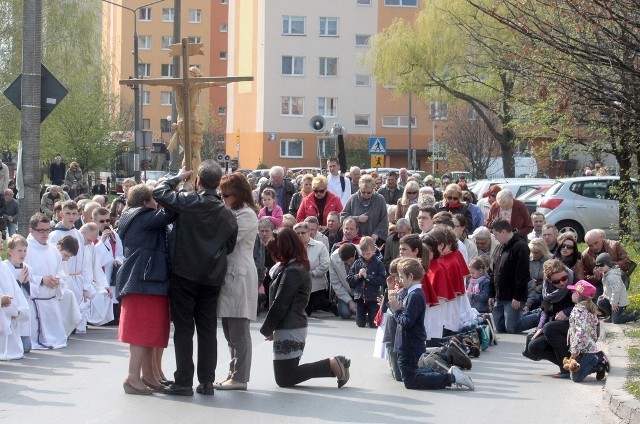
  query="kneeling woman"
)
[{"x": 286, "y": 321}]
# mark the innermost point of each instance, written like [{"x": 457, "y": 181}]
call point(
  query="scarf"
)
[
  {"x": 453, "y": 205},
  {"x": 552, "y": 294}
]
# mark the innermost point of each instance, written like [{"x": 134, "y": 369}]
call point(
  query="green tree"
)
[{"x": 452, "y": 52}]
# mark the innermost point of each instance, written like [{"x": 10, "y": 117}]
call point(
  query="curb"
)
[{"x": 624, "y": 405}]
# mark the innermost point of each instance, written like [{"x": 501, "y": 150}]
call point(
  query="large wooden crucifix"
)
[{"x": 188, "y": 127}]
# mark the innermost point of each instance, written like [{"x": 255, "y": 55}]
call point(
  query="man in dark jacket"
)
[
  {"x": 57, "y": 170},
  {"x": 284, "y": 188},
  {"x": 203, "y": 234},
  {"x": 508, "y": 293}
]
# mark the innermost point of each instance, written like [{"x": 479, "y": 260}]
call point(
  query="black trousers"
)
[
  {"x": 552, "y": 344},
  {"x": 193, "y": 306},
  {"x": 289, "y": 372}
]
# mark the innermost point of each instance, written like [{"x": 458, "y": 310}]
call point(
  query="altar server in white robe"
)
[
  {"x": 55, "y": 311},
  {"x": 100, "y": 295},
  {"x": 16, "y": 252},
  {"x": 109, "y": 249},
  {"x": 14, "y": 309},
  {"x": 78, "y": 267}
]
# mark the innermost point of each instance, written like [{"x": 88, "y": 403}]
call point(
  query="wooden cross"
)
[{"x": 185, "y": 90}]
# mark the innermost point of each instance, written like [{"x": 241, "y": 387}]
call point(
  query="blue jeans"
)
[
  {"x": 344, "y": 310},
  {"x": 366, "y": 312},
  {"x": 588, "y": 364},
  {"x": 420, "y": 378},
  {"x": 618, "y": 317},
  {"x": 12, "y": 227},
  {"x": 506, "y": 318}
]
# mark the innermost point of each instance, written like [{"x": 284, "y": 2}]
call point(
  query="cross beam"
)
[{"x": 186, "y": 82}]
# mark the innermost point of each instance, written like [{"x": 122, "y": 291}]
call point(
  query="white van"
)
[{"x": 526, "y": 166}]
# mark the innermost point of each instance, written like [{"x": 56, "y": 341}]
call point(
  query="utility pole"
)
[
  {"x": 174, "y": 163},
  {"x": 30, "y": 111}
]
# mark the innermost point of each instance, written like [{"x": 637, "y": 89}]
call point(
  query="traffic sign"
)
[
  {"x": 377, "y": 161},
  {"x": 377, "y": 145},
  {"x": 51, "y": 92}
]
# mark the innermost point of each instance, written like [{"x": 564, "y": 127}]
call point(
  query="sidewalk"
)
[{"x": 620, "y": 401}]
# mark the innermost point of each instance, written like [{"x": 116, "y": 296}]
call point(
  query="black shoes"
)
[
  {"x": 344, "y": 365},
  {"x": 205, "y": 389},
  {"x": 178, "y": 390}
]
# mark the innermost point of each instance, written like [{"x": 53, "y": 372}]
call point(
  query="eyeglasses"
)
[
  {"x": 317, "y": 191},
  {"x": 366, "y": 192},
  {"x": 453, "y": 199},
  {"x": 42, "y": 230},
  {"x": 103, "y": 221},
  {"x": 562, "y": 279},
  {"x": 412, "y": 192},
  {"x": 567, "y": 246},
  {"x": 225, "y": 195},
  {"x": 301, "y": 233}
]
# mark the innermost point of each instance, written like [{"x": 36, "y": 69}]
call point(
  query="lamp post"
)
[
  {"x": 433, "y": 144},
  {"x": 137, "y": 108}
]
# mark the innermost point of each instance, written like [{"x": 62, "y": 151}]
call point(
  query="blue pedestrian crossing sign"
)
[{"x": 377, "y": 146}]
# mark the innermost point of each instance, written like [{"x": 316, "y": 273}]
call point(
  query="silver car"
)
[{"x": 581, "y": 204}]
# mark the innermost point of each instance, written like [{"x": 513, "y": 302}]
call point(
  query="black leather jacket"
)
[
  {"x": 203, "y": 234},
  {"x": 288, "y": 296}
]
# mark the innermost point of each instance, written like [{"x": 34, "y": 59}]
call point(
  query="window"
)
[
  {"x": 405, "y": 3},
  {"x": 224, "y": 27},
  {"x": 146, "y": 97},
  {"x": 292, "y": 65},
  {"x": 292, "y": 106},
  {"x": 195, "y": 16},
  {"x": 398, "y": 121},
  {"x": 291, "y": 148},
  {"x": 363, "y": 2},
  {"x": 328, "y": 106},
  {"x": 222, "y": 110},
  {"x": 144, "y": 42},
  {"x": 144, "y": 69},
  {"x": 328, "y": 66},
  {"x": 439, "y": 110},
  {"x": 146, "y": 124},
  {"x": 362, "y": 40},
  {"x": 165, "y": 125},
  {"x": 166, "y": 98},
  {"x": 195, "y": 39},
  {"x": 223, "y": 55},
  {"x": 363, "y": 80},
  {"x": 144, "y": 14},
  {"x": 293, "y": 25},
  {"x": 362, "y": 121},
  {"x": 167, "y": 40},
  {"x": 166, "y": 70},
  {"x": 167, "y": 14},
  {"x": 329, "y": 27}
]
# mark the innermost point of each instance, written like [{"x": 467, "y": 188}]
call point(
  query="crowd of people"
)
[{"x": 419, "y": 262}]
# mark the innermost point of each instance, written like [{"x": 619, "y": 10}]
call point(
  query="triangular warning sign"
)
[{"x": 377, "y": 147}]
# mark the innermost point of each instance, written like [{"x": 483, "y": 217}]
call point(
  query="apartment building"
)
[{"x": 307, "y": 58}]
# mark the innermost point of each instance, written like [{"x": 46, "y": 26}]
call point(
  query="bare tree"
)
[{"x": 470, "y": 140}]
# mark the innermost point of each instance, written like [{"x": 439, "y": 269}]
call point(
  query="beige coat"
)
[{"x": 239, "y": 295}]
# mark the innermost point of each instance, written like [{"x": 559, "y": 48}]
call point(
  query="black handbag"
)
[{"x": 525, "y": 351}]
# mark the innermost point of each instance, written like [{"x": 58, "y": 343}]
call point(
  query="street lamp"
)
[{"x": 433, "y": 143}]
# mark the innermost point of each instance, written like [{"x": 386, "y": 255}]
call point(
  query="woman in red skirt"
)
[{"x": 143, "y": 287}]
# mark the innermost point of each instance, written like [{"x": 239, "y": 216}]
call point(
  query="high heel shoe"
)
[
  {"x": 130, "y": 389},
  {"x": 157, "y": 388}
]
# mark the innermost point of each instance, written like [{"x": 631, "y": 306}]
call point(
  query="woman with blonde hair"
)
[
  {"x": 73, "y": 178},
  {"x": 319, "y": 203},
  {"x": 452, "y": 202},
  {"x": 539, "y": 254},
  {"x": 409, "y": 197}
]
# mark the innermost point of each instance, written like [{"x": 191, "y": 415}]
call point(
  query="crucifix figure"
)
[{"x": 188, "y": 127}]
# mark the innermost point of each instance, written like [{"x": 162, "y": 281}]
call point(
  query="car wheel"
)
[{"x": 567, "y": 225}]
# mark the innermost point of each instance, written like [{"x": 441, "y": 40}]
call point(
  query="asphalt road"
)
[{"x": 83, "y": 384}]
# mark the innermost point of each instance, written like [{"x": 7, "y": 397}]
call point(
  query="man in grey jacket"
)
[
  {"x": 203, "y": 234},
  {"x": 340, "y": 262}
]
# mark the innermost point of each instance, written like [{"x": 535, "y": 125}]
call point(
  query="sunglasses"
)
[
  {"x": 301, "y": 233},
  {"x": 562, "y": 279},
  {"x": 454, "y": 199},
  {"x": 567, "y": 246},
  {"x": 412, "y": 192},
  {"x": 319, "y": 191}
]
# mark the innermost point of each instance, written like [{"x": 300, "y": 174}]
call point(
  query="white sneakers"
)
[{"x": 461, "y": 379}]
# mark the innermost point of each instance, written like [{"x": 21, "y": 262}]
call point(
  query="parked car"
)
[
  {"x": 531, "y": 196},
  {"x": 517, "y": 186},
  {"x": 581, "y": 204}
]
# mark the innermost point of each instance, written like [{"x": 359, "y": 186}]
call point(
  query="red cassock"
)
[
  {"x": 455, "y": 270},
  {"x": 438, "y": 279},
  {"x": 427, "y": 288}
]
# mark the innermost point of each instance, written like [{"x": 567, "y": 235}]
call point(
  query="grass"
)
[{"x": 633, "y": 377}]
